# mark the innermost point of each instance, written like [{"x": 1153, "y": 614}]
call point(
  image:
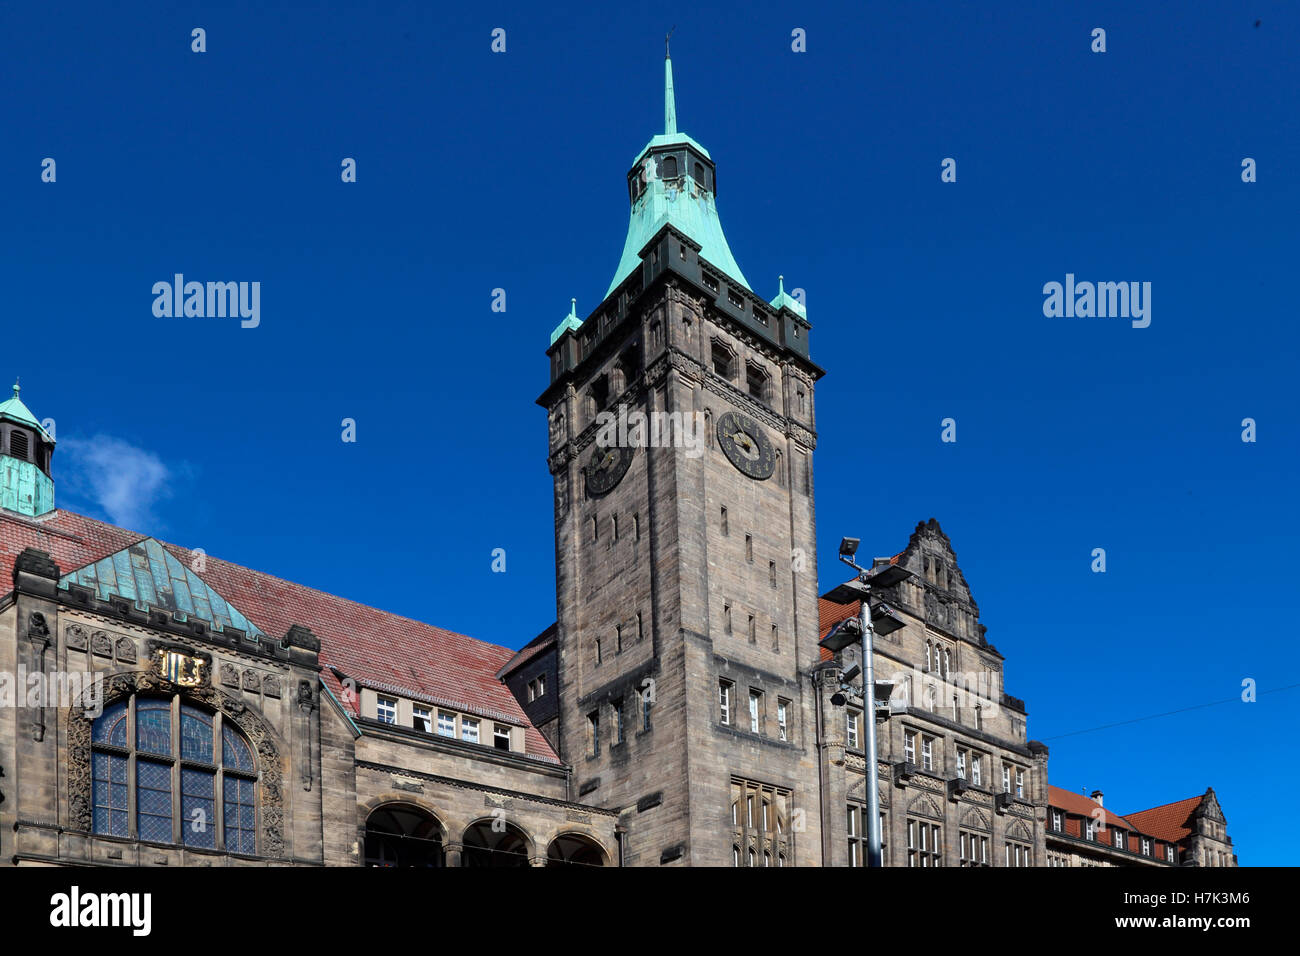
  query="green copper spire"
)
[
  {"x": 670, "y": 102},
  {"x": 673, "y": 182},
  {"x": 14, "y": 410}
]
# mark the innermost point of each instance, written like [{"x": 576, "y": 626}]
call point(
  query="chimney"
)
[{"x": 1096, "y": 795}]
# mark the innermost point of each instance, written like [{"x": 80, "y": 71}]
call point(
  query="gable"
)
[{"x": 148, "y": 575}]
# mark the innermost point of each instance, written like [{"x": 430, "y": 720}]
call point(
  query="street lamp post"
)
[{"x": 861, "y": 588}]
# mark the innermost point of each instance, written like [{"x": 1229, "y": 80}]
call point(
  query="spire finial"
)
[
  {"x": 780, "y": 285},
  {"x": 17, "y": 388},
  {"x": 573, "y": 307},
  {"x": 670, "y": 103}
]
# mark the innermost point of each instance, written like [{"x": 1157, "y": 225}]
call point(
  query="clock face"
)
[
  {"x": 746, "y": 445},
  {"x": 606, "y": 468}
]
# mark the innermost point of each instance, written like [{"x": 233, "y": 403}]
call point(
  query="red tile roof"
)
[
  {"x": 373, "y": 647},
  {"x": 1169, "y": 822},
  {"x": 831, "y": 614},
  {"x": 1072, "y": 802}
]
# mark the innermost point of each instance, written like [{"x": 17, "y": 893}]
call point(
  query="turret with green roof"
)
[{"x": 25, "y": 451}]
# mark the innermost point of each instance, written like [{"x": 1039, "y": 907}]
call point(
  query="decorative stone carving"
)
[
  {"x": 126, "y": 650},
  {"x": 101, "y": 645},
  {"x": 252, "y": 681},
  {"x": 229, "y": 675},
  {"x": 976, "y": 820},
  {"x": 76, "y": 638},
  {"x": 250, "y": 723},
  {"x": 924, "y": 806},
  {"x": 271, "y": 685}
]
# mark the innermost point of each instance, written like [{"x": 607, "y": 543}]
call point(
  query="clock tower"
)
[{"x": 681, "y": 437}]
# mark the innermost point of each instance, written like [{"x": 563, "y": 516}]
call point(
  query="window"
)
[
  {"x": 699, "y": 174},
  {"x": 1020, "y": 784},
  {"x": 446, "y": 724},
  {"x": 541, "y": 685},
  {"x": 469, "y": 730},
  {"x": 776, "y": 638},
  {"x": 1146, "y": 847},
  {"x": 593, "y": 734},
  {"x": 760, "y": 818},
  {"x": 782, "y": 713},
  {"x": 756, "y": 381},
  {"x": 924, "y": 843},
  {"x": 1017, "y": 854},
  {"x": 724, "y": 700},
  {"x": 1090, "y": 829},
  {"x": 726, "y": 618},
  {"x": 753, "y": 634},
  {"x": 614, "y": 525},
  {"x": 645, "y": 709},
  {"x": 927, "y": 752},
  {"x": 749, "y": 548},
  {"x": 1120, "y": 842},
  {"x": 595, "y": 528},
  {"x": 724, "y": 361},
  {"x": 532, "y": 691},
  {"x": 1169, "y": 852},
  {"x": 501, "y": 736},
  {"x": 961, "y": 763},
  {"x": 640, "y": 628},
  {"x": 185, "y": 792},
  {"x": 386, "y": 710},
  {"x": 909, "y": 747},
  {"x": 976, "y": 764},
  {"x": 618, "y": 722},
  {"x": 669, "y": 164},
  {"x": 599, "y": 658},
  {"x": 974, "y": 849},
  {"x": 636, "y": 527},
  {"x": 618, "y": 638},
  {"x": 929, "y": 656},
  {"x": 1058, "y": 821},
  {"x": 857, "y": 841},
  {"x": 420, "y": 718},
  {"x": 852, "y": 738},
  {"x": 1006, "y": 779},
  {"x": 723, "y": 522},
  {"x": 771, "y": 573},
  {"x": 755, "y": 711}
]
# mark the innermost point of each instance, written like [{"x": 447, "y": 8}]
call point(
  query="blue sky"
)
[{"x": 479, "y": 171}]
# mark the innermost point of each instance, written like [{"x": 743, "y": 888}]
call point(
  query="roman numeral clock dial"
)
[{"x": 746, "y": 445}]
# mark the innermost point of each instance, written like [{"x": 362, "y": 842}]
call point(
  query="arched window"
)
[
  {"x": 668, "y": 167},
  {"x": 187, "y": 790},
  {"x": 699, "y": 175},
  {"x": 572, "y": 849},
  {"x": 398, "y": 835},
  {"x": 488, "y": 843}
]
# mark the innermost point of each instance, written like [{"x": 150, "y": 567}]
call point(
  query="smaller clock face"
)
[
  {"x": 746, "y": 445},
  {"x": 606, "y": 467}
]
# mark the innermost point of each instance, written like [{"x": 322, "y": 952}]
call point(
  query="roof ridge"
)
[{"x": 1171, "y": 803}]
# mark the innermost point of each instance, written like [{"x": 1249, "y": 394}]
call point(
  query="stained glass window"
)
[
  {"x": 196, "y": 734},
  {"x": 153, "y": 726},
  {"x": 234, "y": 751},
  {"x": 241, "y": 817},
  {"x": 153, "y": 797},
  {"x": 110, "y": 728},
  {"x": 198, "y": 808},
  {"x": 177, "y": 783},
  {"x": 109, "y": 772}
]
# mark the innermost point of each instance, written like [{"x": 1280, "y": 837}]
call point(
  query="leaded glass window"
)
[{"x": 170, "y": 787}]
